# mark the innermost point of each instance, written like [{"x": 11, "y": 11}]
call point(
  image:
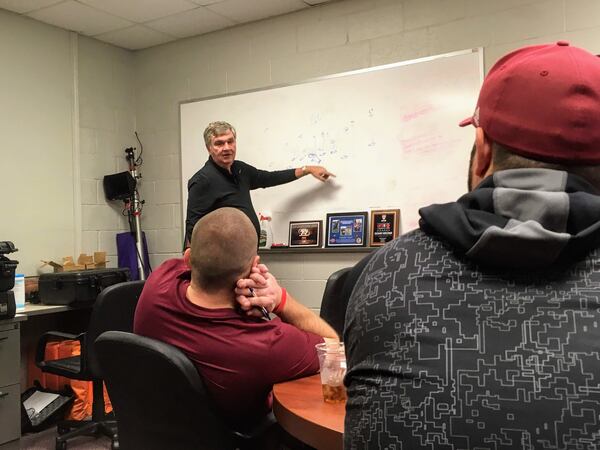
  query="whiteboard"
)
[{"x": 388, "y": 133}]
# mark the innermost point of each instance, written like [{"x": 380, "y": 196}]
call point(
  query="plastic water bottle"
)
[
  {"x": 266, "y": 234},
  {"x": 19, "y": 291}
]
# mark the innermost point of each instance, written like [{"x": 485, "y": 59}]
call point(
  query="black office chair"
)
[
  {"x": 335, "y": 300},
  {"x": 113, "y": 310},
  {"x": 160, "y": 400}
]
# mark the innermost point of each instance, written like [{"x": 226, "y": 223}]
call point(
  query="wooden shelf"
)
[{"x": 287, "y": 250}]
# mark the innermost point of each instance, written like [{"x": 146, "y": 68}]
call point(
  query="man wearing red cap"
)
[{"x": 481, "y": 329}]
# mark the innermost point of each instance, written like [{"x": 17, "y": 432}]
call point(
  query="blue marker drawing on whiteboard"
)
[
  {"x": 314, "y": 158},
  {"x": 370, "y": 112}
]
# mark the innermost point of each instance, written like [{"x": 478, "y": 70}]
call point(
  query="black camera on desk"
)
[{"x": 7, "y": 280}]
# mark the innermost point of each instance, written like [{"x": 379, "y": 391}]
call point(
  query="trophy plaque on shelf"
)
[
  {"x": 346, "y": 229},
  {"x": 306, "y": 234},
  {"x": 385, "y": 224}
]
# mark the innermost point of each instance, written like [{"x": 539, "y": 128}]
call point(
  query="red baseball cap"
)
[{"x": 543, "y": 101}]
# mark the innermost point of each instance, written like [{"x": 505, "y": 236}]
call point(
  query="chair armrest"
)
[{"x": 53, "y": 336}]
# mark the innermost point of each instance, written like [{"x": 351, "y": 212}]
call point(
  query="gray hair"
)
[{"x": 217, "y": 129}]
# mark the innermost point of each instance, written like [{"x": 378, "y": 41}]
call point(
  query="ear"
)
[
  {"x": 482, "y": 160},
  {"x": 255, "y": 262},
  {"x": 251, "y": 268},
  {"x": 186, "y": 257}
]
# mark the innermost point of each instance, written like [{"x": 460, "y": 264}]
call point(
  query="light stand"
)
[{"x": 135, "y": 211}]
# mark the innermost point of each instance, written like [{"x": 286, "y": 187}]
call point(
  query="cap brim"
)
[{"x": 465, "y": 122}]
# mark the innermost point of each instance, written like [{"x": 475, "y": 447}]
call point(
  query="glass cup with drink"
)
[{"x": 332, "y": 361}]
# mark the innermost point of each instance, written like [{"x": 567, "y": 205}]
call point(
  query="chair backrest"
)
[
  {"x": 335, "y": 300},
  {"x": 114, "y": 309},
  {"x": 159, "y": 398}
]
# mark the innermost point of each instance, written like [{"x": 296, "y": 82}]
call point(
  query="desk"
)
[
  {"x": 39, "y": 309},
  {"x": 299, "y": 408}
]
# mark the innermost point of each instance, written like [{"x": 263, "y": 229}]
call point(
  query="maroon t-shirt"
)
[{"x": 239, "y": 357}]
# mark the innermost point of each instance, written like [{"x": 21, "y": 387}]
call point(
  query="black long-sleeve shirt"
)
[{"x": 213, "y": 187}]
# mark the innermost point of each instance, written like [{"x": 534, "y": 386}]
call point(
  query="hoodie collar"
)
[{"x": 520, "y": 218}]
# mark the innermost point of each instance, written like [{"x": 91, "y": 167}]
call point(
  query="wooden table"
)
[{"x": 299, "y": 408}]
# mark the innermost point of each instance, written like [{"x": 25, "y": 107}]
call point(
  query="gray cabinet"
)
[{"x": 10, "y": 388}]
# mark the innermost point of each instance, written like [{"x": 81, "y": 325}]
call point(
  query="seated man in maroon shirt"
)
[{"x": 190, "y": 303}]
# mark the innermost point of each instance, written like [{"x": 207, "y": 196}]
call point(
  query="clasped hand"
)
[{"x": 259, "y": 289}]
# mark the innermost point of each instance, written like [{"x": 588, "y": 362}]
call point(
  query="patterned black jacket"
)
[{"x": 481, "y": 330}]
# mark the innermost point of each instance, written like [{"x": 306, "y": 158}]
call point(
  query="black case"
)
[{"x": 78, "y": 287}]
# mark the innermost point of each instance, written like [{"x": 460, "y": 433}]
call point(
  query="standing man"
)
[
  {"x": 223, "y": 181},
  {"x": 481, "y": 329}
]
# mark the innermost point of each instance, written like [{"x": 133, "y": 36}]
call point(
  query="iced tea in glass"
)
[{"x": 332, "y": 361}]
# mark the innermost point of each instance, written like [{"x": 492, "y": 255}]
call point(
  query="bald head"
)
[{"x": 223, "y": 248}]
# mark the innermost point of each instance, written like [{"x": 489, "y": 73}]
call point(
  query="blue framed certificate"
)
[{"x": 346, "y": 229}]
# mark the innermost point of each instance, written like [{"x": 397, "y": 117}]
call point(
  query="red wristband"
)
[{"x": 281, "y": 305}]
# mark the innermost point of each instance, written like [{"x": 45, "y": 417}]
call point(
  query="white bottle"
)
[
  {"x": 266, "y": 234},
  {"x": 19, "y": 291}
]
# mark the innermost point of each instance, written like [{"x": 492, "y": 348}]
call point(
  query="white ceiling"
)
[{"x": 138, "y": 24}]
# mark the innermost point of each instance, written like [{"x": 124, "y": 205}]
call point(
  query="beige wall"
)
[
  {"x": 36, "y": 140},
  {"x": 341, "y": 36},
  {"x": 67, "y": 114}
]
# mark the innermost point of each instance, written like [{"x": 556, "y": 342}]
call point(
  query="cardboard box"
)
[{"x": 84, "y": 262}]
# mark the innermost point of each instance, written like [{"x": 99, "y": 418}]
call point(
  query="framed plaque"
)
[
  {"x": 306, "y": 234},
  {"x": 385, "y": 224},
  {"x": 346, "y": 229}
]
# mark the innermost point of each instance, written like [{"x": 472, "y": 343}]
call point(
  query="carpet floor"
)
[{"x": 44, "y": 440}]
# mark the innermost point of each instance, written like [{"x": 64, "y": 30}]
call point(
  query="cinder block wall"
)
[
  {"x": 336, "y": 37},
  {"x": 106, "y": 128}
]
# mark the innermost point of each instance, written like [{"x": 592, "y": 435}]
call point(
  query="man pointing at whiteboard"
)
[{"x": 223, "y": 181}]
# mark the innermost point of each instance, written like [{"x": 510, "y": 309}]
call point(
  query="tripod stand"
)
[{"x": 135, "y": 211}]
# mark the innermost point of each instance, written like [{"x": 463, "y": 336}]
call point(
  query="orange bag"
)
[
  {"x": 46, "y": 380},
  {"x": 83, "y": 391}
]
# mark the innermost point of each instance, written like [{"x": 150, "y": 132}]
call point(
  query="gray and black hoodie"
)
[{"x": 481, "y": 330}]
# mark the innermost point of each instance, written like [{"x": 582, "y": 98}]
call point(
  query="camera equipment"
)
[
  {"x": 7, "y": 266},
  {"x": 120, "y": 186},
  {"x": 7, "y": 247},
  {"x": 7, "y": 280},
  {"x": 123, "y": 186}
]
